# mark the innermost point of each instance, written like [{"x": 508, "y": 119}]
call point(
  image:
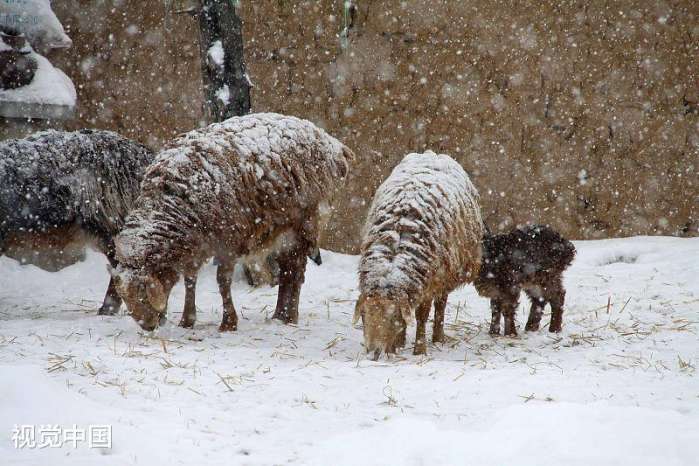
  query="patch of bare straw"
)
[
  {"x": 684, "y": 325},
  {"x": 121, "y": 385},
  {"x": 338, "y": 338},
  {"x": 158, "y": 340},
  {"x": 84, "y": 305},
  {"x": 167, "y": 364},
  {"x": 466, "y": 329},
  {"x": 230, "y": 380},
  {"x": 57, "y": 362},
  {"x": 685, "y": 366}
]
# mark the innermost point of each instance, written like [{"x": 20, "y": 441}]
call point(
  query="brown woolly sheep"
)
[
  {"x": 231, "y": 189},
  {"x": 532, "y": 259},
  {"x": 422, "y": 239}
]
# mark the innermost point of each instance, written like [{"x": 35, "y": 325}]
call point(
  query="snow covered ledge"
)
[{"x": 50, "y": 95}]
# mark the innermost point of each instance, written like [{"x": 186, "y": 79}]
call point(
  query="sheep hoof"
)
[
  {"x": 286, "y": 318},
  {"x": 555, "y": 328},
  {"x": 420, "y": 348},
  {"x": 400, "y": 342},
  {"x": 532, "y": 327},
  {"x": 186, "y": 323},
  {"x": 107, "y": 311},
  {"x": 494, "y": 331},
  {"x": 229, "y": 323}
]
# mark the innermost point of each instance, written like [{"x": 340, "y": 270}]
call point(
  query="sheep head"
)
[
  {"x": 145, "y": 294},
  {"x": 384, "y": 319}
]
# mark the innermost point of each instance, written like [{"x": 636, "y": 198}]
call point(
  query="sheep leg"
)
[
  {"x": 189, "y": 314},
  {"x": 249, "y": 275},
  {"x": 440, "y": 305},
  {"x": 112, "y": 300},
  {"x": 509, "y": 307},
  {"x": 496, "y": 311},
  {"x": 556, "y": 296},
  {"x": 421, "y": 315},
  {"x": 400, "y": 340},
  {"x": 535, "y": 313},
  {"x": 292, "y": 269},
  {"x": 224, "y": 277}
]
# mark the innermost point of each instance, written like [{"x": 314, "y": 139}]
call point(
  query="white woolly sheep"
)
[{"x": 421, "y": 240}]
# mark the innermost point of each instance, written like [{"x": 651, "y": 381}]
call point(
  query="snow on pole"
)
[{"x": 226, "y": 83}]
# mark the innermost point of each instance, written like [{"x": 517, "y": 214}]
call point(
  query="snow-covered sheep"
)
[
  {"x": 530, "y": 258},
  {"x": 60, "y": 191},
  {"x": 421, "y": 240},
  {"x": 225, "y": 191}
]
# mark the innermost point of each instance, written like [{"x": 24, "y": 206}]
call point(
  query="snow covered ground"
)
[{"x": 617, "y": 386}]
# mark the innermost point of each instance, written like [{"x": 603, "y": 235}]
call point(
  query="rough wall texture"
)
[
  {"x": 581, "y": 114},
  {"x": 135, "y": 67}
]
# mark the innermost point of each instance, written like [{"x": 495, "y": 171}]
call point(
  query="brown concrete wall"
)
[
  {"x": 135, "y": 67},
  {"x": 582, "y": 114}
]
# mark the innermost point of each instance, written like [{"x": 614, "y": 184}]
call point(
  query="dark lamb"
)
[
  {"x": 532, "y": 259},
  {"x": 61, "y": 191}
]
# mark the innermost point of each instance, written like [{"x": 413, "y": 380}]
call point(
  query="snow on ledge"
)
[{"x": 50, "y": 86}]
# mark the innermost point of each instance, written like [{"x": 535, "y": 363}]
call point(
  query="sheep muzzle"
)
[
  {"x": 384, "y": 322},
  {"x": 146, "y": 296}
]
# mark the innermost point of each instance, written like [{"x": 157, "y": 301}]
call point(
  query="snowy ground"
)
[{"x": 618, "y": 386}]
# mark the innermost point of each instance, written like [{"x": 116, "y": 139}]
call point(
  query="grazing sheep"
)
[
  {"x": 231, "y": 189},
  {"x": 532, "y": 258},
  {"x": 60, "y": 191},
  {"x": 422, "y": 239}
]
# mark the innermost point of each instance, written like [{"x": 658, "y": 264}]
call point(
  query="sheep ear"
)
[
  {"x": 348, "y": 153},
  {"x": 156, "y": 294},
  {"x": 357, "y": 311}
]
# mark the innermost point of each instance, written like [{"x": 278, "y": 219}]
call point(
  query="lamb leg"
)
[
  {"x": 496, "y": 313},
  {"x": 535, "y": 313},
  {"x": 509, "y": 307},
  {"x": 556, "y": 294}
]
